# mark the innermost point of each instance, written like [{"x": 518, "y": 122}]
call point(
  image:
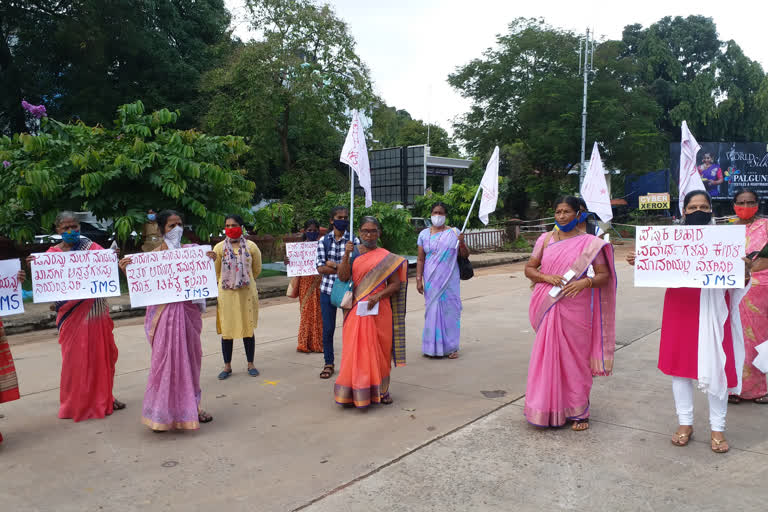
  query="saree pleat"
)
[
  {"x": 311, "y": 321},
  {"x": 173, "y": 392},
  {"x": 9, "y": 385},
  {"x": 754, "y": 315}
]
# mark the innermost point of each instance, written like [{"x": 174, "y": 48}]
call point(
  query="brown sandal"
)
[
  {"x": 679, "y": 439},
  {"x": 328, "y": 370},
  {"x": 580, "y": 425}
]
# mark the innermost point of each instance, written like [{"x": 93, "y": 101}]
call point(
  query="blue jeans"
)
[{"x": 328, "y": 311}]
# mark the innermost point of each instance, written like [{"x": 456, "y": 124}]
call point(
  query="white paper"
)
[
  {"x": 362, "y": 309},
  {"x": 174, "y": 275},
  {"x": 302, "y": 259},
  {"x": 556, "y": 289},
  {"x": 11, "y": 302},
  {"x": 690, "y": 256},
  {"x": 761, "y": 361},
  {"x": 71, "y": 275}
]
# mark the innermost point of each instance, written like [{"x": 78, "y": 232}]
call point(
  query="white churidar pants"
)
[{"x": 682, "y": 388}]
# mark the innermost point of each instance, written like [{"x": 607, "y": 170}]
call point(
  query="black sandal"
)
[
  {"x": 117, "y": 405},
  {"x": 204, "y": 417},
  {"x": 734, "y": 399},
  {"x": 386, "y": 399},
  {"x": 328, "y": 371}
]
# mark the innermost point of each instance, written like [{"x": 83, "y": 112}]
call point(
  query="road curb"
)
[{"x": 41, "y": 321}]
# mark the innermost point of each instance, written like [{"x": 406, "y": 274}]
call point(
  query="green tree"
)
[
  {"x": 83, "y": 58},
  {"x": 392, "y": 127},
  {"x": 290, "y": 93},
  {"x": 118, "y": 174}
]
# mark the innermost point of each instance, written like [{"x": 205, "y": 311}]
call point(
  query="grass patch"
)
[{"x": 268, "y": 272}]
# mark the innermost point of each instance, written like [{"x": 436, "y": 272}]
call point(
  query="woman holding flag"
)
[
  {"x": 437, "y": 278},
  {"x": 574, "y": 319}
]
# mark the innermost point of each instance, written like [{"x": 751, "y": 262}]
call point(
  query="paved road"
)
[{"x": 454, "y": 439}]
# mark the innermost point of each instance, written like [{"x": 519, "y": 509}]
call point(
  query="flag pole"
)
[
  {"x": 351, "y": 204},
  {"x": 471, "y": 208}
]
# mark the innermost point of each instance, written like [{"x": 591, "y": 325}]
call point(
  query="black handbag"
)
[{"x": 465, "y": 268}]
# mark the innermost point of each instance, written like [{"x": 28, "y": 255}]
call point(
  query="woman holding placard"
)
[
  {"x": 88, "y": 350},
  {"x": 374, "y": 326},
  {"x": 172, "y": 398},
  {"x": 754, "y": 307},
  {"x": 307, "y": 289},
  {"x": 573, "y": 311},
  {"x": 9, "y": 384},
  {"x": 238, "y": 264},
  {"x": 712, "y": 351}
]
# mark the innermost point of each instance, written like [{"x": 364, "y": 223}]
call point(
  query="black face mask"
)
[{"x": 698, "y": 218}]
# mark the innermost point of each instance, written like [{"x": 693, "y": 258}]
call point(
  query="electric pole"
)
[{"x": 587, "y": 50}]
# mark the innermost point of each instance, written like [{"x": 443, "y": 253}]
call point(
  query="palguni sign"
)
[{"x": 690, "y": 256}]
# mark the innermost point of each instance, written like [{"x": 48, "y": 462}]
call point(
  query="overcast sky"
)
[{"x": 411, "y": 46}]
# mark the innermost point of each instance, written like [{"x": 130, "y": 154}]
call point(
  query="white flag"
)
[
  {"x": 355, "y": 154},
  {"x": 594, "y": 189},
  {"x": 490, "y": 186},
  {"x": 690, "y": 179}
]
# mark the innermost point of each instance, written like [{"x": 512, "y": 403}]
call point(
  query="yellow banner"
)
[{"x": 654, "y": 202}]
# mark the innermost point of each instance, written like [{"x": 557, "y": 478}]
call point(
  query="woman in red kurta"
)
[{"x": 681, "y": 335}]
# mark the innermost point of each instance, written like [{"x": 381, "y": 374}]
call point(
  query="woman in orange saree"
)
[{"x": 371, "y": 342}]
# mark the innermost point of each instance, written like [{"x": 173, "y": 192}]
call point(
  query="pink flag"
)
[
  {"x": 355, "y": 154},
  {"x": 690, "y": 179},
  {"x": 594, "y": 189}
]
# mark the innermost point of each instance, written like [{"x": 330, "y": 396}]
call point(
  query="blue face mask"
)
[
  {"x": 152, "y": 217},
  {"x": 311, "y": 236},
  {"x": 582, "y": 217},
  {"x": 341, "y": 225},
  {"x": 71, "y": 237}
]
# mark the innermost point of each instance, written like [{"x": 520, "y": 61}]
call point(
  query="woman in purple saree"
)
[
  {"x": 575, "y": 328},
  {"x": 172, "y": 398}
]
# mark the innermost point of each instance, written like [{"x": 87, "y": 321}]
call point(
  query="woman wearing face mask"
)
[
  {"x": 150, "y": 233},
  {"x": 575, "y": 326},
  {"x": 172, "y": 398},
  {"x": 311, "y": 323},
  {"x": 681, "y": 337},
  {"x": 88, "y": 350},
  {"x": 238, "y": 264},
  {"x": 437, "y": 278},
  {"x": 371, "y": 341},
  {"x": 754, "y": 307}
]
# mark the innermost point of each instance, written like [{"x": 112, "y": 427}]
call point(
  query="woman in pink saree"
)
[
  {"x": 172, "y": 398},
  {"x": 575, "y": 328},
  {"x": 754, "y": 307}
]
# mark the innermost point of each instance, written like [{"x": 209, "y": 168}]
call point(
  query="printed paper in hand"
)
[
  {"x": 362, "y": 309},
  {"x": 302, "y": 258},
  {"x": 72, "y": 275},
  {"x": 175, "y": 275},
  {"x": 10, "y": 288}
]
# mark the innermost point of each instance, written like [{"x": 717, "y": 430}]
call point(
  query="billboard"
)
[
  {"x": 728, "y": 166},
  {"x": 398, "y": 175}
]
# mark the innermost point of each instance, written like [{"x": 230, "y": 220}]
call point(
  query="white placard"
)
[
  {"x": 11, "y": 302},
  {"x": 174, "y": 275},
  {"x": 362, "y": 309},
  {"x": 690, "y": 256},
  {"x": 302, "y": 258},
  {"x": 71, "y": 275}
]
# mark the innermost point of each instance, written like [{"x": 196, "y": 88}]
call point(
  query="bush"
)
[{"x": 459, "y": 199}]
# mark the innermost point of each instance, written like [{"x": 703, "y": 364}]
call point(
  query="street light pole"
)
[{"x": 588, "y": 53}]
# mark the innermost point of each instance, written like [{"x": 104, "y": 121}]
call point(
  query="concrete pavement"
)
[{"x": 454, "y": 439}]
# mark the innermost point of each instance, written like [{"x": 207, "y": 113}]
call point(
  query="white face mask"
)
[
  {"x": 173, "y": 237},
  {"x": 438, "y": 220}
]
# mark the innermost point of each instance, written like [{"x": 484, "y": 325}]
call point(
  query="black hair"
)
[
  {"x": 571, "y": 201},
  {"x": 235, "y": 218},
  {"x": 746, "y": 191},
  {"x": 372, "y": 220},
  {"x": 693, "y": 193},
  {"x": 441, "y": 204},
  {"x": 582, "y": 203},
  {"x": 310, "y": 222},
  {"x": 163, "y": 216},
  {"x": 337, "y": 209}
]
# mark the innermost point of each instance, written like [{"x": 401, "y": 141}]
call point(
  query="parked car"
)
[
  {"x": 92, "y": 231},
  {"x": 420, "y": 223}
]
